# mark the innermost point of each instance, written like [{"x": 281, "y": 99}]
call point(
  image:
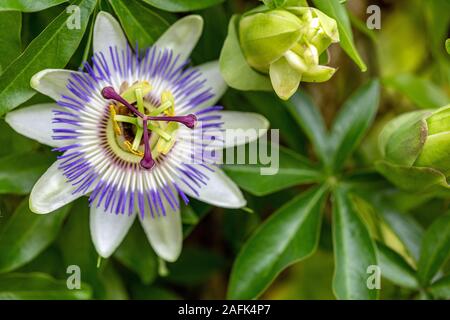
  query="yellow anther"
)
[
  {"x": 130, "y": 93},
  {"x": 167, "y": 97},
  {"x": 130, "y": 149},
  {"x": 116, "y": 126}
]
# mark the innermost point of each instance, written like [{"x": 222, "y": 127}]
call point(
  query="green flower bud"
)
[
  {"x": 416, "y": 149},
  {"x": 286, "y": 44}
]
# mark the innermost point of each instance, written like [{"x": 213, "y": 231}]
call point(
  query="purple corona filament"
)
[{"x": 147, "y": 161}]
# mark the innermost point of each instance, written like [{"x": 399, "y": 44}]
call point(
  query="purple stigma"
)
[
  {"x": 110, "y": 93},
  {"x": 147, "y": 161},
  {"x": 189, "y": 120}
]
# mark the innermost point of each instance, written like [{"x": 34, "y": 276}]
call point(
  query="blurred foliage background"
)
[{"x": 408, "y": 57}]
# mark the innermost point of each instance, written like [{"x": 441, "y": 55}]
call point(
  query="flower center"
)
[{"x": 139, "y": 124}]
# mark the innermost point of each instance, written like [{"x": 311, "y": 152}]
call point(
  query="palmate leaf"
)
[
  {"x": 337, "y": 11},
  {"x": 310, "y": 120},
  {"x": 27, "y": 234},
  {"x": 352, "y": 122},
  {"x": 182, "y": 5},
  {"x": 51, "y": 49},
  {"x": 289, "y": 235},
  {"x": 141, "y": 25},
  {"x": 28, "y": 5},
  {"x": 353, "y": 249},
  {"x": 39, "y": 286}
]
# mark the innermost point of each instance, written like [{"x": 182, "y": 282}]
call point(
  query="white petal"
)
[
  {"x": 242, "y": 127},
  {"x": 220, "y": 190},
  {"x": 164, "y": 233},
  {"x": 108, "y": 33},
  {"x": 52, "y": 82},
  {"x": 52, "y": 191},
  {"x": 182, "y": 36},
  {"x": 214, "y": 80},
  {"x": 35, "y": 122},
  {"x": 108, "y": 229}
]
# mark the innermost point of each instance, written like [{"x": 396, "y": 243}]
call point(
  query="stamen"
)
[
  {"x": 115, "y": 124},
  {"x": 147, "y": 161}
]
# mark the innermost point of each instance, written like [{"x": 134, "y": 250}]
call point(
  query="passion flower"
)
[{"x": 133, "y": 133}]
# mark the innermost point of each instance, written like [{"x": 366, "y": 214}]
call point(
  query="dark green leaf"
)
[
  {"x": 408, "y": 231},
  {"x": 26, "y": 234},
  {"x": 28, "y": 5},
  {"x": 142, "y": 25},
  {"x": 51, "y": 49},
  {"x": 289, "y": 235},
  {"x": 19, "y": 172},
  {"x": 395, "y": 268},
  {"x": 352, "y": 122},
  {"x": 293, "y": 170},
  {"x": 441, "y": 288},
  {"x": 10, "y": 26},
  {"x": 142, "y": 292},
  {"x": 182, "y": 5},
  {"x": 39, "y": 286},
  {"x": 422, "y": 92},
  {"x": 77, "y": 248},
  {"x": 12, "y": 142},
  {"x": 194, "y": 266},
  {"x": 435, "y": 249},
  {"x": 337, "y": 11},
  {"x": 137, "y": 255},
  {"x": 310, "y": 120},
  {"x": 354, "y": 250}
]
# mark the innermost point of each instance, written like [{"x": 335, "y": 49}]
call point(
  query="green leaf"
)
[
  {"x": 28, "y": 5},
  {"x": 337, "y": 11},
  {"x": 195, "y": 266},
  {"x": 234, "y": 68},
  {"x": 27, "y": 234},
  {"x": 352, "y": 122},
  {"x": 395, "y": 268},
  {"x": 51, "y": 49},
  {"x": 408, "y": 231},
  {"x": 447, "y": 45},
  {"x": 353, "y": 249},
  {"x": 271, "y": 107},
  {"x": 293, "y": 169},
  {"x": 435, "y": 249},
  {"x": 39, "y": 286},
  {"x": 19, "y": 172},
  {"x": 137, "y": 255},
  {"x": 182, "y": 5},
  {"x": 422, "y": 92},
  {"x": 12, "y": 142},
  {"x": 77, "y": 249},
  {"x": 289, "y": 235},
  {"x": 10, "y": 27},
  {"x": 310, "y": 120},
  {"x": 441, "y": 288},
  {"x": 141, "y": 25}
]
